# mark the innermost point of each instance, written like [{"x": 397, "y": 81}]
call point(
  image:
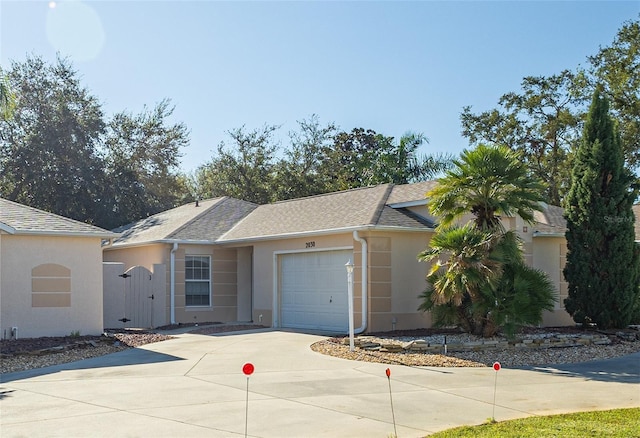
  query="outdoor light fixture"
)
[{"x": 349, "y": 267}]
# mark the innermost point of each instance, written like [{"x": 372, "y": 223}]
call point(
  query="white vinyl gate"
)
[
  {"x": 138, "y": 297},
  {"x": 313, "y": 290},
  {"x": 135, "y": 298}
]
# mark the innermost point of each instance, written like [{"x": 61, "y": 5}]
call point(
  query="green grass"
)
[{"x": 620, "y": 423}]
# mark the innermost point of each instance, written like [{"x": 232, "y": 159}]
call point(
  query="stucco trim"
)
[{"x": 50, "y": 300}]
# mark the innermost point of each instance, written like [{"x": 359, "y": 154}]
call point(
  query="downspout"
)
[
  {"x": 365, "y": 287},
  {"x": 172, "y": 287}
]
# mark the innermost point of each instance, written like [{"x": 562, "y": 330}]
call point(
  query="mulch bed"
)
[
  {"x": 568, "y": 330},
  {"x": 137, "y": 337},
  {"x": 129, "y": 338}
]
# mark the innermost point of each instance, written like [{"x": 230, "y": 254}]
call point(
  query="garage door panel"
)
[
  {"x": 288, "y": 300},
  {"x": 313, "y": 290},
  {"x": 306, "y": 299}
]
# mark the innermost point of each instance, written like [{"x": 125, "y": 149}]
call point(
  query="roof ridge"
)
[
  {"x": 382, "y": 204},
  {"x": 220, "y": 200},
  {"x": 129, "y": 225},
  {"x": 319, "y": 195},
  {"x": 245, "y": 217}
]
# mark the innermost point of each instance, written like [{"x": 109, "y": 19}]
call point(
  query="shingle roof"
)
[
  {"x": 332, "y": 211},
  {"x": 215, "y": 222},
  {"x": 20, "y": 219},
  {"x": 550, "y": 220},
  {"x": 228, "y": 219},
  {"x": 410, "y": 192},
  {"x": 402, "y": 217},
  {"x": 204, "y": 223}
]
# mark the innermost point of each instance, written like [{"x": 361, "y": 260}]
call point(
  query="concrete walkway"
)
[{"x": 194, "y": 386}]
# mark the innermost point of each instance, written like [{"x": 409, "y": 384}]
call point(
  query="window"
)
[{"x": 197, "y": 281}]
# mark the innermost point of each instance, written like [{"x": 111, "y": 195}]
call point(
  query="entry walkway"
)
[{"x": 194, "y": 386}]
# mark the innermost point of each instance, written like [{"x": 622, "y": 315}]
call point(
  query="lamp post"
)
[{"x": 349, "y": 267}]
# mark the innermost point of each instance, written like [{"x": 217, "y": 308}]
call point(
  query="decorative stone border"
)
[
  {"x": 65, "y": 347},
  {"x": 423, "y": 346}
]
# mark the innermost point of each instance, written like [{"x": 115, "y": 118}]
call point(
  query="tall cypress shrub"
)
[{"x": 602, "y": 267}]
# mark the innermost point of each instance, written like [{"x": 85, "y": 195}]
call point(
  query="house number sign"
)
[{"x": 310, "y": 244}]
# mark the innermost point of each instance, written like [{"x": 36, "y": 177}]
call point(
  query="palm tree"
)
[
  {"x": 401, "y": 164},
  {"x": 519, "y": 298},
  {"x": 487, "y": 181},
  {"x": 479, "y": 280},
  {"x": 463, "y": 265},
  {"x": 410, "y": 166}
]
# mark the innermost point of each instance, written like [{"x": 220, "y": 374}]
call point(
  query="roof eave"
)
[
  {"x": 117, "y": 245},
  {"x": 293, "y": 235},
  {"x": 105, "y": 235},
  {"x": 416, "y": 203},
  {"x": 400, "y": 228},
  {"x": 7, "y": 229},
  {"x": 342, "y": 230},
  {"x": 547, "y": 234}
]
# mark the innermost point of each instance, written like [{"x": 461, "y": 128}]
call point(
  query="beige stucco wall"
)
[
  {"x": 422, "y": 210},
  {"x": 224, "y": 273},
  {"x": 549, "y": 255},
  {"x": 264, "y": 254},
  {"x": 409, "y": 280},
  {"x": 245, "y": 284},
  {"x": 395, "y": 278},
  {"x": 244, "y": 277},
  {"x": 77, "y": 294},
  {"x": 223, "y": 306},
  {"x": 146, "y": 256},
  {"x": 525, "y": 232}
]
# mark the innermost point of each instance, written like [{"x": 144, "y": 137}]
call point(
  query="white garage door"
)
[{"x": 313, "y": 290}]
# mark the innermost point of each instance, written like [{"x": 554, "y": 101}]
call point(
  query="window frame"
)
[{"x": 187, "y": 280}]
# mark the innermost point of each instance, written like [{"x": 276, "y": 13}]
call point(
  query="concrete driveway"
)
[{"x": 194, "y": 386}]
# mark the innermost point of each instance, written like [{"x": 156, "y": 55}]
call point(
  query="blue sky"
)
[{"x": 389, "y": 66}]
